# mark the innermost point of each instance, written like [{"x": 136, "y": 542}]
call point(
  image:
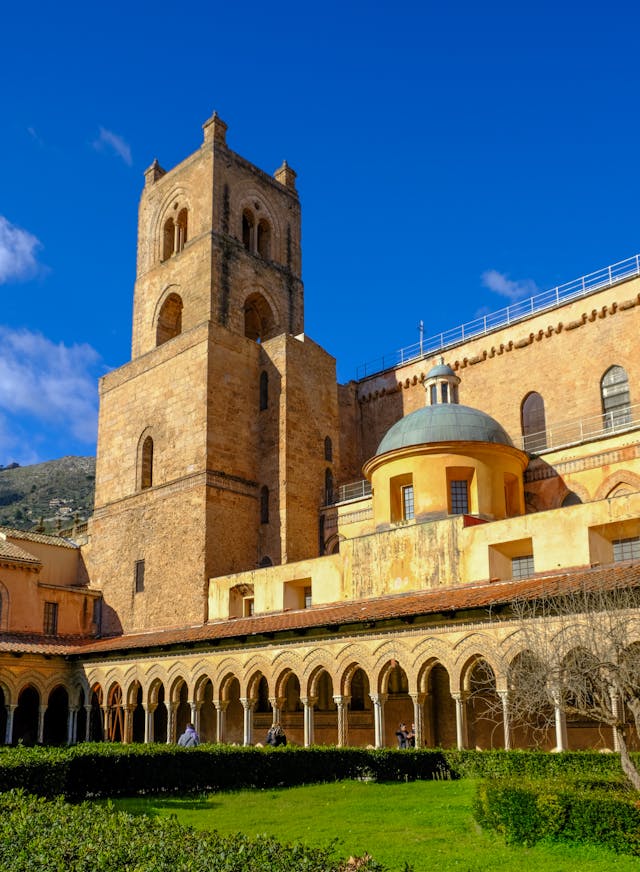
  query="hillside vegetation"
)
[{"x": 57, "y": 491}]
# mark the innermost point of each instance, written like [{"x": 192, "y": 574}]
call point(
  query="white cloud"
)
[
  {"x": 110, "y": 140},
  {"x": 501, "y": 284},
  {"x": 51, "y": 383},
  {"x": 17, "y": 252}
]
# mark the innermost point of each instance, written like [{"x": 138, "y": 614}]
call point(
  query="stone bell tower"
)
[{"x": 211, "y": 440}]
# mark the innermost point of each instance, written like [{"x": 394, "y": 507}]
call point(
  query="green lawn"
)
[{"x": 427, "y": 824}]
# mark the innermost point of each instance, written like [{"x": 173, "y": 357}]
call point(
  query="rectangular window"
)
[
  {"x": 247, "y": 606},
  {"x": 522, "y": 567},
  {"x": 407, "y": 502},
  {"x": 459, "y": 497},
  {"x": 626, "y": 549},
  {"x": 51, "y": 619},
  {"x": 139, "y": 576},
  {"x": 307, "y": 597}
]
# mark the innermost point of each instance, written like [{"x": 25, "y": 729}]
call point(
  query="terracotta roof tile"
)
[
  {"x": 435, "y": 601},
  {"x": 9, "y": 551},
  {"x": 42, "y": 538}
]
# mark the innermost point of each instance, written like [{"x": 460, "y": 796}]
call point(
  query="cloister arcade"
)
[{"x": 455, "y": 695}]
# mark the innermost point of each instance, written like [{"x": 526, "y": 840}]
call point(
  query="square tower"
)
[{"x": 218, "y": 423}]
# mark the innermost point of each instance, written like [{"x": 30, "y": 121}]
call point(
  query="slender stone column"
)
[
  {"x": 276, "y": 707},
  {"x": 72, "y": 725},
  {"x": 87, "y": 726},
  {"x": 149, "y": 710},
  {"x": 41, "y": 713},
  {"x": 308, "y": 702},
  {"x": 128, "y": 724},
  {"x": 506, "y": 718},
  {"x": 8, "y": 736},
  {"x": 195, "y": 714},
  {"x": 461, "y": 719},
  {"x": 221, "y": 719},
  {"x": 418, "y": 718},
  {"x": 172, "y": 710},
  {"x": 248, "y": 706},
  {"x": 378, "y": 700},
  {"x": 342, "y": 705},
  {"x": 105, "y": 723},
  {"x": 561, "y": 729},
  {"x": 615, "y": 708}
]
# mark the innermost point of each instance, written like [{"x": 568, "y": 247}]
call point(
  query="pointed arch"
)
[
  {"x": 169, "y": 319},
  {"x": 259, "y": 319},
  {"x": 533, "y": 420}
]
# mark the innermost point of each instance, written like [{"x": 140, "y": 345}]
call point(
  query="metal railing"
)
[
  {"x": 581, "y": 430},
  {"x": 355, "y": 490},
  {"x": 551, "y": 299}
]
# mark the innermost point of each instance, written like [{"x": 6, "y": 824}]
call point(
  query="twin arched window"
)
[
  {"x": 256, "y": 234},
  {"x": 174, "y": 234}
]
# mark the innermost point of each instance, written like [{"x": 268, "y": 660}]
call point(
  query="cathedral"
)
[{"x": 269, "y": 545}]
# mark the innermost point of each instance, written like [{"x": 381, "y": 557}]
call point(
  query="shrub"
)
[
  {"x": 527, "y": 810},
  {"x": 128, "y": 770},
  {"x": 39, "y": 835}
]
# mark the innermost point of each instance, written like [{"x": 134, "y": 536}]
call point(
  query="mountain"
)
[{"x": 56, "y": 491}]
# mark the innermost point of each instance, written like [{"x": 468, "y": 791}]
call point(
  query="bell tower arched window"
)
[
  {"x": 168, "y": 238},
  {"x": 169, "y": 319},
  {"x": 616, "y": 399},
  {"x": 534, "y": 427}
]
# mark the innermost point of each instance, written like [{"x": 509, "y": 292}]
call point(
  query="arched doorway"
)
[
  {"x": 26, "y": 716},
  {"x": 56, "y": 717}
]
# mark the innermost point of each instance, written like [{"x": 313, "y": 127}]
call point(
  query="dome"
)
[
  {"x": 443, "y": 423},
  {"x": 440, "y": 369}
]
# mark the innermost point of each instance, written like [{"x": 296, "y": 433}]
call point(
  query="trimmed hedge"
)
[
  {"x": 601, "y": 812},
  {"x": 39, "y": 835},
  {"x": 534, "y": 764},
  {"x": 105, "y": 770}
]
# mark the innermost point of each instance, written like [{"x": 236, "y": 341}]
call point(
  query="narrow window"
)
[
  {"x": 96, "y": 618},
  {"x": 328, "y": 450},
  {"x": 459, "y": 491},
  {"x": 407, "y": 502},
  {"x": 616, "y": 400},
  {"x": 328, "y": 487},
  {"x": 146, "y": 466},
  {"x": 50, "y": 619},
  {"x": 139, "y": 576},
  {"x": 534, "y": 427},
  {"x": 264, "y": 505},
  {"x": 247, "y": 230},
  {"x": 307, "y": 597},
  {"x": 264, "y": 391},
  {"x": 434, "y": 394},
  {"x": 522, "y": 567},
  {"x": 264, "y": 239},
  {"x": 247, "y": 606},
  {"x": 626, "y": 549},
  {"x": 168, "y": 239},
  {"x": 444, "y": 388},
  {"x": 181, "y": 226}
]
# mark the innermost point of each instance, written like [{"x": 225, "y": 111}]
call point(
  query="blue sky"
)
[{"x": 450, "y": 158}]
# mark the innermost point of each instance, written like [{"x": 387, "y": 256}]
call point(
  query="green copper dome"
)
[{"x": 446, "y": 422}]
